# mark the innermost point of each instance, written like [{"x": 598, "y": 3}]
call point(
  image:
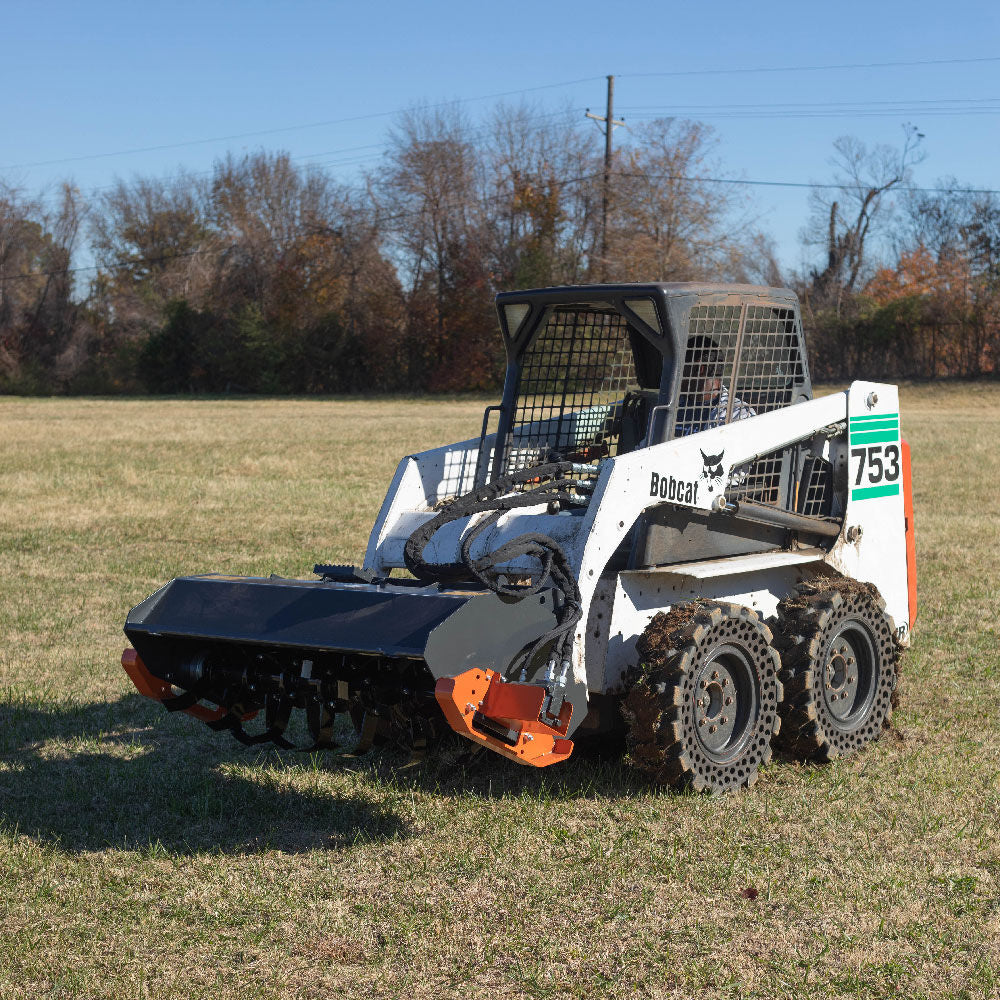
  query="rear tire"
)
[
  {"x": 705, "y": 708},
  {"x": 839, "y": 658}
]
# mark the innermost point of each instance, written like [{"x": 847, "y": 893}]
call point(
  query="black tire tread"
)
[
  {"x": 659, "y": 739},
  {"x": 804, "y": 622}
]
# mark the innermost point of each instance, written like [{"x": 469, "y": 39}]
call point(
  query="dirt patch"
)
[{"x": 663, "y": 633}]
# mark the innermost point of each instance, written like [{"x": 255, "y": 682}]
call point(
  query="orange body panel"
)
[
  {"x": 911, "y": 537},
  {"x": 516, "y": 707},
  {"x": 152, "y": 687}
]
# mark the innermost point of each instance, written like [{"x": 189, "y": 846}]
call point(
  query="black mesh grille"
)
[
  {"x": 758, "y": 481},
  {"x": 816, "y": 489},
  {"x": 572, "y": 395},
  {"x": 717, "y": 387}
]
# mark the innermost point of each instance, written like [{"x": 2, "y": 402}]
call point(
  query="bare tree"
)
[
  {"x": 669, "y": 223},
  {"x": 21, "y": 249},
  {"x": 846, "y": 223},
  {"x": 544, "y": 188},
  {"x": 38, "y": 311},
  {"x": 153, "y": 242},
  {"x": 954, "y": 219},
  {"x": 278, "y": 225},
  {"x": 431, "y": 197},
  {"x": 429, "y": 192}
]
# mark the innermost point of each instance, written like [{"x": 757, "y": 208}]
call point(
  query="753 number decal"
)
[{"x": 880, "y": 461}]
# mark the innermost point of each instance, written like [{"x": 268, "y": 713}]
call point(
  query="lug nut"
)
[
  {"x": 712, "y": 729},
  {"x": 715, "y": 675},
  {"x": 724, "y": 720},
  {"x": 729, "y": 701},
  {"x": 702, "y": 722}
]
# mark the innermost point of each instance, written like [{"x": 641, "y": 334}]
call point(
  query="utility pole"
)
[{"x": 609, "y": 128}]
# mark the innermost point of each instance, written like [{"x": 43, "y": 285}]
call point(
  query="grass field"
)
[{"x": 143, "y": 856}]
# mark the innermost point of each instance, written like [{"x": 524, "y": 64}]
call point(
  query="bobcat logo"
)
[{"x": 712, "y": 469}]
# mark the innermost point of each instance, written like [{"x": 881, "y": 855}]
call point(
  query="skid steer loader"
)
[{"x": 663, "y": 530}]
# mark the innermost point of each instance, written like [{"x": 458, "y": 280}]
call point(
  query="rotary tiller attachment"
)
[{"x": 404, "y": 662}]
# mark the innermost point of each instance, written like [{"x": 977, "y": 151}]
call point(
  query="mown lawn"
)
[{"x": 143, "y": 856}]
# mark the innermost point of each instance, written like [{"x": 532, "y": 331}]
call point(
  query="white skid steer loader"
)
[{"x": 664, "y": 532}]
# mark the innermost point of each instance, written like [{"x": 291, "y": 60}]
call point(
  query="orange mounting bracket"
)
[
  {"x": 152, "y": 687},
  {"x": 504, "y": 716}
]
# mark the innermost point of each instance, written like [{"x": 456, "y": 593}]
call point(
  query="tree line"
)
[{"x": 267, "y": 276}]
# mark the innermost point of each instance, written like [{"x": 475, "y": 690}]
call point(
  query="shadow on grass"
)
[
  {"x": 126, "y": 775},
  {"x": 596, "y": 769}
]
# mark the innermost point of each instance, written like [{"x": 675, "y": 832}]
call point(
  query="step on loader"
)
[{"x": 657, "y": 529}]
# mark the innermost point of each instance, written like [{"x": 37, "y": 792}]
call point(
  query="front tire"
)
[{"x": 705, "y": 709}]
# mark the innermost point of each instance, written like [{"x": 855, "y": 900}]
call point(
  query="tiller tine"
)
[
  {"x": 369, "y": 729},
  {"x": 321, "y": 719},
  {"x": 418, "y": 749}
]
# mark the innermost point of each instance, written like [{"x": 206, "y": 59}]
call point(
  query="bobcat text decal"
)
[{"x": 668, "y": 488}]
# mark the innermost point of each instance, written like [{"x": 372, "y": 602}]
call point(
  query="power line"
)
[
  {"x": 856, "y": 114},
  {"x": 814, "y": 69},
  {"x": 806, "y": 184},
  {"x": 469, "y": 131},
  {"x": 485, "y": 97},
  {"x": 292, "y": 128},
  {"x": 824, "y": 104}
]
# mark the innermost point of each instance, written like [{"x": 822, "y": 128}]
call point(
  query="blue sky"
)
[{"x": 89, "y": 83}]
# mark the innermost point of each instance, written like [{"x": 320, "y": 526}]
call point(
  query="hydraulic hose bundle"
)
[{"x": 554, "y": 569}]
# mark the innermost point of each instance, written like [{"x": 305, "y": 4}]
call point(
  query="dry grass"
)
[{"x": 141, "y": 856}]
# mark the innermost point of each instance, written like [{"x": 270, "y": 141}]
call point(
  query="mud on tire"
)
[
  {"x": 704, "y": 709},
  {"x": 839, "y": 669}
]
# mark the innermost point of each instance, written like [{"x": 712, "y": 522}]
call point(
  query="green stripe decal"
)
[
  {"x": 876, "y": 437},
  {"x": 875, "y": 416},
  {"x": 871, "y": 492},
  {"x": 889, "y": 424}
]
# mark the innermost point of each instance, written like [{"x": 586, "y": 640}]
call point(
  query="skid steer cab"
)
[{"x": 658, "y": 528}]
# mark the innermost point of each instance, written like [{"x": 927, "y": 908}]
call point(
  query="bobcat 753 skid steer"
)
[{"x": 665, "y": 531}]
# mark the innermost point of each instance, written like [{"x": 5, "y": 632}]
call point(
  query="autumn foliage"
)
[{"x": 269, "y": 277}]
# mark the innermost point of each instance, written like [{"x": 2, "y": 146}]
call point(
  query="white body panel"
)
[
  {"x": 875, "y": 501},
  {"x": 617, "y": 607},
  {"x": 422, "y": 482},
  {"x": 640, "y": 595}
]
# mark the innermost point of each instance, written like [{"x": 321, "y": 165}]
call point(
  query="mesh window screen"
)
[
  {"x": 572, "y": 395},
  {"x": 770, "y": 362},
  {"x": 717, "y": 387},
  {"x": 770, "y": 365},
  {"x": 707, "y": 367}
]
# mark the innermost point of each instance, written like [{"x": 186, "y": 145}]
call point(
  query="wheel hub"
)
[
  {"x": 849, "y": 677},
  {"x": 727, "y": 702}
]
